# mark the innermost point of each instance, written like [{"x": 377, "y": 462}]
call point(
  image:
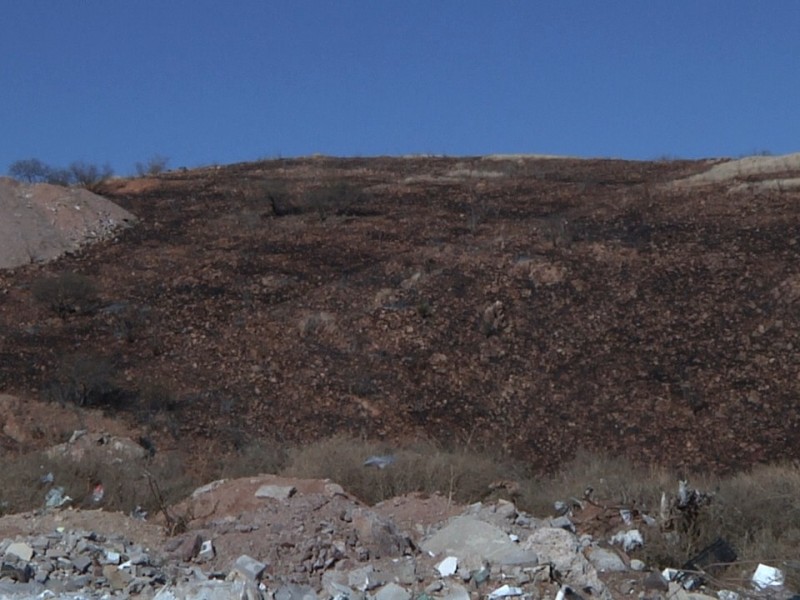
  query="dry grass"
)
[
  {"x": 464, "y": 476},
  {"x": 22, "y": 488},
  {"x": 756, "y": 512}
]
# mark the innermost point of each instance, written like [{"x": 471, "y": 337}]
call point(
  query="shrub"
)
[
  {"x": 154, "y": 166},
  {"x": 66, "y": 293},
  {"x": 88, "y": 174},
  {"x": 85, "y": 380},
  {"x": 31, "y": 170},
  {"x": 62, "y": 177},
  {"x": 332, "y": 199}
]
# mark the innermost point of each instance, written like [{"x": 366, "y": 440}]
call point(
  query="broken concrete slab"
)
[
  {"x": 20, "y": 550},
  {"x": 474, "y": 542},
  {"x": 248, "y": 567}
]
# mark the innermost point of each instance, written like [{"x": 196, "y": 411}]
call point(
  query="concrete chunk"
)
[
  {"x": 248, "y": 567},
  {"x": 392, "y": 591},
  {"x": 20, "y": 550},
  {"x": 278, "y": 492},
  {"x": 473, "y": 541}
]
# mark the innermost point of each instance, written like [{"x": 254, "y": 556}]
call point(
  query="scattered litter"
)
[
  {"x": 97, "y": 493},
  {"x": 565, "y": 592},
  {"x": 727, "y": 595},
  {"x": 627, "y": 516},
  {"x": 711, "y": 560},
  {"x": 649, "y": 521},
  {"x": 207, "y": 551},
  {"x": 670, "y": 574},
  {"x": 381, "y": 462},
  {"x": 505, "y": 591},
  {"x": 766, "y": 576},
  {"x": 55, "y": 498},
  {"x": 76, "y": 435},
  {"x": 629, "y": 540},
  {"x": 448, "y": 566},
  {"x": 47, "y": 479}
]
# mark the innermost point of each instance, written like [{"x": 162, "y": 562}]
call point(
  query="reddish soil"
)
[{"x": 533, "y": 306}]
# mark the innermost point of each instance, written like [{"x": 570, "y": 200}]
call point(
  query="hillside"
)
[{"x": 529, "y": 305}]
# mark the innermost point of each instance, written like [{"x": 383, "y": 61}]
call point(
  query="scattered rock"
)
[
  {"x": 20, "y": 550},
  {"x": 277, "y": 492},
  {"x": 249, "y": 568}
]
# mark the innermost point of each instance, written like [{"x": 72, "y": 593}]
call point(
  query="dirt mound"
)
[{"x": 41, "y": 222}]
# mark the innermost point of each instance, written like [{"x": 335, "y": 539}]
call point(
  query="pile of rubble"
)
[{"x": 291, "y": 539}]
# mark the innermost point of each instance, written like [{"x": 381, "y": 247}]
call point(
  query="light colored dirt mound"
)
[
  {"x": 744, "y": 167},
  {"x": 41, "y": 222}
]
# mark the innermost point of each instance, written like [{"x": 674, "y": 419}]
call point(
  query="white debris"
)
[
  {"x": 669, "y": 574},
  {"x": 505, "y": 591},
  {"x": 381, "y": 462},
  {"x": 55, "y": 498},
  {"x": 766, "y": 576},
  {"x": 448, "y": 566},
  {"x": 629, "y": 540}
]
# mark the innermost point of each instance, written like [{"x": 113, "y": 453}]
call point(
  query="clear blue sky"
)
[{"x": 202, "y": 82}]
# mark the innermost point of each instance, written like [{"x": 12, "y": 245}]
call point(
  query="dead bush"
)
[
  {"x": 155, "y": 165},
  {"x": 86, "y": 380},
  {"x": 336, "y": 198},
  {"x": 254, "y": 458},
  {"x": 66, "y": 293},
  {"x": 87, "y": 175},
  {"x": 613, "y": 479}
]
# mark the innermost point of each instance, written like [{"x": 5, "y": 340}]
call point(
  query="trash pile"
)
[{"x": 290, "y": 539}]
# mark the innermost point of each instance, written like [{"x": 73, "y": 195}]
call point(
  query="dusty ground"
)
[{"x": 530, "y": 305}]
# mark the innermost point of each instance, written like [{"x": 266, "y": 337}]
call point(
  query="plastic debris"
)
[
  {"x": 55, "y": 498},
  {"x": 766, "y": 576},
  {"x": 505, "y": 591},
  {"x": 448, "y": 566},
  {"x": 381, "y": 462},
  {"x": 47, "y": 479},
  {"x": 565, "y": 592},
  {"x": 629, "y": 540},
  {"x": 711, "y": 560},
  {"x": 97, "y": 493}
]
